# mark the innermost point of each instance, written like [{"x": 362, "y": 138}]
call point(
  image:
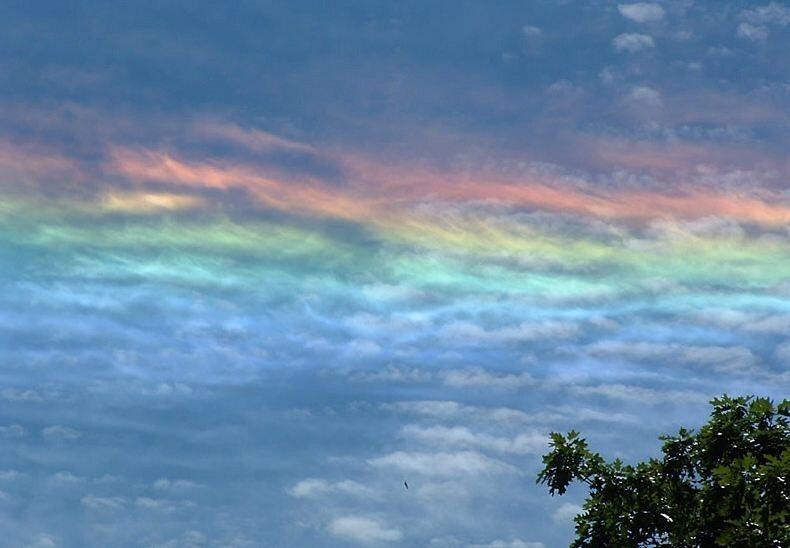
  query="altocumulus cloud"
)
[
  {"x": 646, "y": 96},
  {"x": 471, "y": 377},
  {"x": 103, "y": 503},
  {"x": 755, "y": 33},
  {"x": 641, "y": 394},
  {"x": 445, "y": 409},
  {"x": 720, "y": 358},
  {"x": 43, "y": 540},
  {"x": 512, "y": 543},
  {"x": 13, "y": 431},
  {"x": 316, "y": 487},
  {"x": 642, "y": 12},
  {"x": 632, "y": 42},
  {"x": 522, "y": 444},
  {"x": 756, "y": 21},
  {"x": 565, "y": 512},
  {"x": 58, "y": 432},
  {"x": 363, "y": 529},
  {"x": 443, "y": 464}
]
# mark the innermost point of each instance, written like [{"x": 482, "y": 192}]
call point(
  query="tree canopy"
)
[{"x": 727, "y": 484}]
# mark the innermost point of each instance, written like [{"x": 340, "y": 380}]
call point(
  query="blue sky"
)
[{"x": 261, "y": 263}]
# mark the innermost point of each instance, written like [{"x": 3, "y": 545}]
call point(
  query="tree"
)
[{"x": 726, "y": 485}]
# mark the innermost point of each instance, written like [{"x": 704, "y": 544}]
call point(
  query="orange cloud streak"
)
[
  {"x": 284, "y": 195},
  {"x": 564, "y": 196},
  {"x": 377, "y": 190}
]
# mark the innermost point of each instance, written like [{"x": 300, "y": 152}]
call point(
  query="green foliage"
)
[{"x": 726, "y": 485}]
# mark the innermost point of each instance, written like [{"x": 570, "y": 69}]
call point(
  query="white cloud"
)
[
  {"x": 163, "y": 484},
  {"x": 642, "y": 12},
  {"x": 57, "y": 432},
  {"x": 363, "y": 530},
  {"x": 531, "y": 31},
  {"x": 561, "y": 87},
  {"x": 640, "y": 394},
  {"x": 719, "y": 51},
  {"x": 770, "y": 14},
  {"x": 103, "y": 503},
  {"x": 443, "y": 464},
  {"x": 445, "y": 542},
  {"x": 195, "y": 539},
  {"x": 174, "y": 389},
  {"x": 12, "y": 431},
  {"x": 646, "y": 96},
  {"x": 608, "y": 75},
  {"x": 755, "y": 33},
  {"x": 782, "y": 354},
  {"x": 251, "y": 138},
  {"x": 362, "y": 348},
  {"x": 513, "y": 543},
  {"x": 467, "y": 332},
  {"x": 704, "y": 227},
  {"x": 10, "y": 475},
  {"x": 477, "y": 377},
  {"x": 148, "y": 503},
  {"x": 522, "y": 444},
  {"x": 162, "y": 504},
  {"x": 439, "y": 492},
  {"x": 633, "y": 42},
  {"x": 389, "y": 293},
  {"x": 719, "y": 358},
  {"x": 566, "y": 512},
  {"x": 579, "y": 414},
  {"x": 392, "y": 374},
  {"x": 43, "y": 540},
  {"x": 451, "y": 410},
  {"x": 776, "y": 324},
  {"x": 316, "y": 487},
  {"x": 366, "y": 322},
  {"x": 751, "y": 322},
  {"x": 455, "y": 410},
  {"x": 309, "y": 488},
  {"x": 18, "y": 395},
  {"x": 66, "y": 478}
]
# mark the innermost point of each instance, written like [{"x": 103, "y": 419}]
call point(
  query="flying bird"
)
[{"x": 406, "y": 485}]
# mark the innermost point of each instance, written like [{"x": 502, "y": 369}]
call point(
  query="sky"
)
[{"x": 261, "y": 262}]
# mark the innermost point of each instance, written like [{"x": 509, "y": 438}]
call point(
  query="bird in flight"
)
[{"x": 406, "y": 485}]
